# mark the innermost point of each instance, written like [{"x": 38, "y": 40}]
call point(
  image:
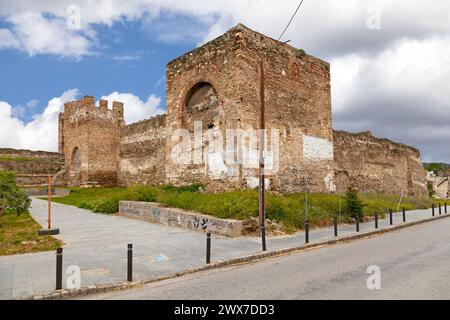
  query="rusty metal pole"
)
[
  {"x": 261, "y": 157},
  {"x": 49, "y": 218},
  {"x": 49, "y": 229}
]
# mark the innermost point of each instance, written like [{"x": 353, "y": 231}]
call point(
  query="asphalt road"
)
[{"x": 414, "y": 264}]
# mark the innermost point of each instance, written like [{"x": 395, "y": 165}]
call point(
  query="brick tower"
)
[{"x": 88, "y": 138}]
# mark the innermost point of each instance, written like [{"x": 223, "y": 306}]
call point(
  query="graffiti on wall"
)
[{"x": 175, "y": 217}]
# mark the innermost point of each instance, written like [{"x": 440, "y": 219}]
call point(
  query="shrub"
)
[
  {"x": 301, "y": 53},
  {"x": 189, "y": 188},
  {"x": 106, "y": 206},
  {"x": 12, "y": 199},
  {"x": 140, "y": 193},
  {"x": 286, "y": 211},
  {"x": 431, "y": 191},
  {"x": 354, "y": 204}
]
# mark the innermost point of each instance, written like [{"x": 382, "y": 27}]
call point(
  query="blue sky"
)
[
  {"x": 132, "y": 58},
  {"x": 390, "y": 67}
]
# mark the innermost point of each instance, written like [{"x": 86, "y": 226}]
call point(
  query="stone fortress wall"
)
[
  {"x": 225, "y": 74},
  {"x": 89, "y": 137},
  {"x": 374, "y": 164},
  {"x": 141, "y": 153},
  {"x": 31, "y": 167},
  {"x": 213, "y": 90}
]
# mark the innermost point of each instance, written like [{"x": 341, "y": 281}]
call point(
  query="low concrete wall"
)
[{"x": 155, "y": 213}]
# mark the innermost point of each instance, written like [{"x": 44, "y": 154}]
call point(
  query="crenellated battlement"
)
[
  {"x": 88, "y": 138},
  {"x": 86, "y": 107},
  {"x": 217, "y": 85}
]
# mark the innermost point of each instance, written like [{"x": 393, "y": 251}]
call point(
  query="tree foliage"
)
[
  {"x": 354, "y": 204},
  {"x": 437, "y": 167},
  {"x": 431, "y": 191},
  {"x": 12, "y": 199}
]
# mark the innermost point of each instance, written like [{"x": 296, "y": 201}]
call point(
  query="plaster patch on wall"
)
[
  {"x": 317, "y": 148},
  {"x": 329, "y": 183},
  {"x": 253, "y": 182},
  {"x": 216, "y": 166}
]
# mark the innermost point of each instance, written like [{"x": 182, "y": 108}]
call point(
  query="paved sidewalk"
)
[{"x": 97, "y": 243}]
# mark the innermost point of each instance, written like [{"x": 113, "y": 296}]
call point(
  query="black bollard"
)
[
  {"x": 445, "y": 207},
  {"x": 390, "y": 217},
  {"x": 306, "y": 231},
  {"x": 208, "y": 247},
  {"x": 263, "y": 236},
  {"x": 357, "y": 223},
  {"x": 59, "y": 266},
  {"x": 432, "y": 209},
  {"x": 404, "y": 215},
  {"x": 376, "y": 220},
  {"x": 440, "y": 210},
  {"x": 335, "y": 226},
  {"x": 130, "y": 263}
]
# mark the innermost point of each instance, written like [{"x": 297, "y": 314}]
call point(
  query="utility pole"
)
[
  {"x": 262, "y": 216},
  {"x": 262, "y": 127}
]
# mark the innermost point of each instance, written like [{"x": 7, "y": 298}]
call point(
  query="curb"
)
[{"x": 93, "y": 289}]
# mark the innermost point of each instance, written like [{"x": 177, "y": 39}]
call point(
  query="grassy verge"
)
[
  {"x": 241, "y": 204},
  {"x": 27, "y": 159},
  {"x": 18, "y": 234}
]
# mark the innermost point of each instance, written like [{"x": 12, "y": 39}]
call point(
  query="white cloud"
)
[
  {"x": 39, "y": 134},
  {"x": 134, "y": 108},
  {"x": 18, "y": 111},
  {"x": 8, "y": 40},
  {"x": 10, "y": 127},
  {"x": 36, "y": 34},
  {"x": 325, "y": 28},
  {"x": 127, "y": 57},
  {"x": 394, "y": 81},
  {"x": 32, "y": 103},
  {"x": 42, "y": 132},
  {"x": 401, "y": 93}
]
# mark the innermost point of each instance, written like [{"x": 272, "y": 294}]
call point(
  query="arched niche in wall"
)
[
  {"x": 75, "y": 166},
  {"x": 201, "y": 104}
]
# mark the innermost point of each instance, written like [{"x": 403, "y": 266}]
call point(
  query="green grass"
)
[
  {"x": 240, "y": 204},
  {"x": 28, "y": 159},
  {"x": 18, "y": 234}
]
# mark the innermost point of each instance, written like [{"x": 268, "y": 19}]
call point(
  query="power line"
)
[{"x": 292, "y": 18}]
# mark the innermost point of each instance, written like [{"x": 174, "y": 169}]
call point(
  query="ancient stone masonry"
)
[
  {"x": 89, "y": 138},
  {"x": 212, "y": 100},
  {"x": 373, "y": 164},
  {"x": 218, "y": 85},
  {"x": 440, "y": 182},
  {"x": 31, "y": 167},
  {"x": 142, "y": 152}
]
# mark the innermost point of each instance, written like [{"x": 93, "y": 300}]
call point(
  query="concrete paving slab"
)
[{"x": 96, "y": 242}]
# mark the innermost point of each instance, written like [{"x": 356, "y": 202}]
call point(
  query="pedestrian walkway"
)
[{"x": 97, "y": 243}]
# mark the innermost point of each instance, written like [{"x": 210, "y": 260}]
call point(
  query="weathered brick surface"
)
[
  {"x": 142, "y": 152},
  {"x": 374, "y": 164},
  {"x": 217, "y": 84},
  {"x": 89, "y": 141},
  {"x": 31, "y": 167},
  {"x": 298, "y": 103},
  {"x": 441, "y": 185}
]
